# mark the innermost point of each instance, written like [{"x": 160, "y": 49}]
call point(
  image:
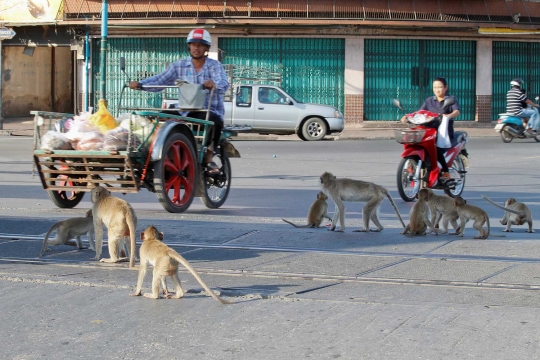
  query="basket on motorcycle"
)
[{"x": 408, "y": 136}]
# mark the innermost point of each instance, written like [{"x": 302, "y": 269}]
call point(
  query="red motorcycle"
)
[{"x": 419, "y": 167}]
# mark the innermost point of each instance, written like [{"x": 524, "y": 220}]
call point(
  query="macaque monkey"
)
[
  {"x": 165, "y": 262},
  {"x": 119, "y": 218},
  {"x": 69, "y": 229},
  {"x": 316, "y": 214},
  {"x": 344, "y": 189},
  {"x": 517, "y": 213},
  {"x": 442, "y": 209},
  {"x": 468, "y": 212},
  {"x": 418, "y": 216}
]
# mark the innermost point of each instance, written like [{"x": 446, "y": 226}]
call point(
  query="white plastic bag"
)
[{"x": 443, "y": 138}]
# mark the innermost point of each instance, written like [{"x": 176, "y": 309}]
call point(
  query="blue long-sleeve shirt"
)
[{"x": 184, "y": 70}]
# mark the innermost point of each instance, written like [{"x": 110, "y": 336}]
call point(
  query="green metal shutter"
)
[
  {"x": 514, "y": 60},
  {"x": 312, "y": 69},
  {"x": 405, "y": 69},
  {"x": 145, "y": 57}
]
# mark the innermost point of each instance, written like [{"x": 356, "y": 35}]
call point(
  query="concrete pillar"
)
[
  {"x": 354, "y": 80},
  {"x": 484, "y": 86},
  {"x": 213, "y": 53}
]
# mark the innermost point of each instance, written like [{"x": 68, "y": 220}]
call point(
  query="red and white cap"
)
[{"x": 200, "y": 36}]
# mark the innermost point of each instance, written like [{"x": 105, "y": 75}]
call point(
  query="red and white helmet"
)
[{"x": 200, "y": 36}]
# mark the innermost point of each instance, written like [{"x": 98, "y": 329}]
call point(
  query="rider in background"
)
[
  {"x": 197, "y": 69},
  {"x": 516, "y": 103},
  {"x": 435, "y": 104}
]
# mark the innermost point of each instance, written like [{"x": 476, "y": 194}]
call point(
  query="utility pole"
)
[{"x": 103, "y": 49}]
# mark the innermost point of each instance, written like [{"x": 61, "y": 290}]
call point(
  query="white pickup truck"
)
[{"x": 268, "y": 109}]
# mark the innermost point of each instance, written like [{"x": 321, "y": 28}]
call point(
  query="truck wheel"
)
[
  {"x": 216, "y": 186},
  {"x": 175, "y": 174},
  {"x": 64, "y": 199},
  {"x": 313, "y": 129}
]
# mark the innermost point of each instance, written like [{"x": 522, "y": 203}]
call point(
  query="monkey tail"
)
[
  {"x": 489, "y": 228},
  {"x": 44, "y": 247},
  {"x": 132, "y": 225},
  {"x": 520, "y": 213},
  {"x": 176, "y": 256},
  {"x": 297, "y": 226},
  {"x": 395, "y": 207}
]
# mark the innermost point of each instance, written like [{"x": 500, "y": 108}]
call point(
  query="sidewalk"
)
[{"x": 24, "y": 126}]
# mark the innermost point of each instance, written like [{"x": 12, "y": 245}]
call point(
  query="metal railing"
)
[{"x": 396, "y": 10}]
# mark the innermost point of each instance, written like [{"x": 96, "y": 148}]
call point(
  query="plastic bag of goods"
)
[
  {"x": 92, "y": 140},
  {"x": 54, "y": 140},
  {"x": 140, "y": 125},
  {"x": 117, "y": 139},
  {"x": 103, "y": 118}
]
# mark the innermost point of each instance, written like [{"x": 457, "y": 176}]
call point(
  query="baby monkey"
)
[
  {"x": 468, "y": 212},
  {"x": 316, "y": 214},
  {"x": 165, "y": 262},
  {"x": 419, "y": 216},
  {"x": 69, "y": 229}
]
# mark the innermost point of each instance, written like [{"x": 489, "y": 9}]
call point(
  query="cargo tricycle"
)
[{"x": 167, "y": 159}]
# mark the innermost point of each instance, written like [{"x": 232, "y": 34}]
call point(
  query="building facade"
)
[{"x": 357, "y": 55}]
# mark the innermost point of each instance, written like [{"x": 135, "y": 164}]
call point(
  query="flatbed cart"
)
[{"x": 169, "y": 161}]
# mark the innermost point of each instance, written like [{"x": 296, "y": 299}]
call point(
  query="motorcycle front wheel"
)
[
  {"x": 408, "y": 186},
  {"x": 506, "y": 137},
  {"x": 457, "y": 171}
]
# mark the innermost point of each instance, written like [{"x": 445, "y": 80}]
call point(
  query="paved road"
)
[{"x": 304, "y": 293}]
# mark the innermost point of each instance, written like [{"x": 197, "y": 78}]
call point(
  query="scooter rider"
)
[
  {"x": 516, "y": 103},
  {"x": 197, "y": 69},
  {"x": 435, "y": 104}
]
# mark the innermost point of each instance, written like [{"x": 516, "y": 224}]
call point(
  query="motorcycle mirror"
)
[
  {"x": 123, "y": 63},
  {"x": 397, "y": 103},
  {"x": 449, "y": 101}
]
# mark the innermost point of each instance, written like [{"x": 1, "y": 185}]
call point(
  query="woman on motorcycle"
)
[{"x": 435, "y": 104}]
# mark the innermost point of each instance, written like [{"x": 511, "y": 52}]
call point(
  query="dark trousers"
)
[
  {"x": 218, "y": 125},
  {"x": 441, "y": 159}
]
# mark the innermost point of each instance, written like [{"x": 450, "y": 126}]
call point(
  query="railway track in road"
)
[{"x": 362, "y": 277}]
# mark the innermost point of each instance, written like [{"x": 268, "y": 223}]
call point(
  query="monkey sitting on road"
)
[
  {"x": 316, "y": 214},
  {"x": 119, "y": 218},
  {"x": 470, "y": 212},
  {"x": 418, "y": 216},
  {"x": 165, "y": 262},
  {"x": 69, "y": 229},
  {"x": 344, "y": 189},
  {"x": 442, "y": 209},
  {"x": 517, "y": 213}
]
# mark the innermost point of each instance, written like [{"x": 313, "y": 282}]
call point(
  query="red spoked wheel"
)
[
  {"x": 175, "y": 174},
  {"x": 65, "y": 199}
]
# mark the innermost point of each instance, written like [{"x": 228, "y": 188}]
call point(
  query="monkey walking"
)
[
  {"x": 165, "y": 262},
  {"x": 418, "y": 216},
  {"x": 316, "y": 214},
  {"x": 517, "y": 213},
  {"x": 119, "y": 218},
  {"x": 344, "y": 189},
  {"x": 442, "y": 210},
  {"x": 470, "y": 212},
  {"x": 69, "y": 229}
]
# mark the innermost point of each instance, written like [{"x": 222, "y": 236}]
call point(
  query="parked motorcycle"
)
[
  {"x": 511, "y": 126},
  {"x": 419, "y": 167}
]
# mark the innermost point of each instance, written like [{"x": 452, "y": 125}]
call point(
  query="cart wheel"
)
[
  {"x": 175, "y": 174},
  {"x": 217, "y": 185},
  {"x": 64, "y": 199}
]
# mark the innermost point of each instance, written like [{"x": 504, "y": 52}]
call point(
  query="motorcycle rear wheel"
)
[
  {"x": 408, "y": 187},
  {"x": 506, "y": 137},
  {"x": 456, "y": 173}
]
